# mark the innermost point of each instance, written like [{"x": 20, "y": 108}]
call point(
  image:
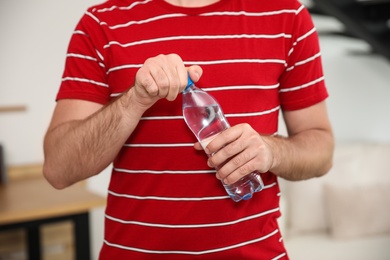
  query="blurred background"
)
[{"x": 355, "y": 43}]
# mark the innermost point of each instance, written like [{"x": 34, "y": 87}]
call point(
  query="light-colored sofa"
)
[{"x": 344, "y": 214}]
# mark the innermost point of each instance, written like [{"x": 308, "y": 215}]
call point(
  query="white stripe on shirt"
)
[
  {"x": 260, "y": 113},
  {"x": 176, "y": 15},
  {"x": 114, "y": 7},
  {"x": 200, "y": 37},
  {"x": 258, "y": 14},
  {"x": 164, "y": 171},
  {"x": 193, "y": 252},
  {"x": 139, "y": 223},
  {"x": 214, "y": 62},
  {"x": 299, "y": 63},
  {"x": 85, "y": 80},
  {"x": 303, "y": 86},
  {"x": 135, "y": 197}
]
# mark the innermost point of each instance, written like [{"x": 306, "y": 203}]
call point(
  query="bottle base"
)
[{"x": 245, "y": 187}]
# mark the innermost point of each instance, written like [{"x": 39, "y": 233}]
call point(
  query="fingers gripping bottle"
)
[{"x": 206, "y": 120}]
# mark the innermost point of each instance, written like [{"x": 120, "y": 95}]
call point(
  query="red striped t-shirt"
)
[{"x": 164, "y": 202}]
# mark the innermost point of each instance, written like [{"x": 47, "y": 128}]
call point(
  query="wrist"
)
[
  {"x": 273, "y": 143},
  {"x": 130, "y": 106}
]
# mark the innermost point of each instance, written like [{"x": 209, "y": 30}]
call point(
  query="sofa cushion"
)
[
  {"x": 358, "y": 210},
  {"x": 374, "y": 163},
  {"x": 320, "y": 246},
  {"x": 305, "y": 199}
]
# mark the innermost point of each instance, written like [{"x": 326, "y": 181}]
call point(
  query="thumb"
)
[{"x": 195, "y": 72}]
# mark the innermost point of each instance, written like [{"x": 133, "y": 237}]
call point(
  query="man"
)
[{"x": 120, "y": 102}]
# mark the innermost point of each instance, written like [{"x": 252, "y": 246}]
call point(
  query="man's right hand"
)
[
  {"x": 84, "y": 137},
  {"x": 163, "y": 76}
]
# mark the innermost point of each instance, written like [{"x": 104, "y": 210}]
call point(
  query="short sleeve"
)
[
  {"x": 302, "y": 84},
  {"x": 84, "y": 75}
]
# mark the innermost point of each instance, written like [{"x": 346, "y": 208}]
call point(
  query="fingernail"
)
[
  {"x": 209, "y": 164},
  {"x": 197, "y": 76}
]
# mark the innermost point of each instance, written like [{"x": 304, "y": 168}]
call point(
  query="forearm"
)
[
  {"x": 78, "y": 149},
  {"x": 84, "y": 138},
  {"x": 302, "y": 156}
]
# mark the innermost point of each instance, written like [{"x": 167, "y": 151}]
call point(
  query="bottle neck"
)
[{"x": 190, "y": 85}]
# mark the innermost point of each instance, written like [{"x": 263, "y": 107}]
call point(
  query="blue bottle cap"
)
[{"x": 190, "y": 82}]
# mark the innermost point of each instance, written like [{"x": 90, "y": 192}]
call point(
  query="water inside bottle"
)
[
  {"x": 205, "y": 121},
  {"x": 244, "y": 188}
]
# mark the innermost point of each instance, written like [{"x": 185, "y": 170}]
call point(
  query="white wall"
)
[
  {"x": 34, "y": 37},
  {"x": 359, "y": 85},
  {"x": 33, "y": 40}
]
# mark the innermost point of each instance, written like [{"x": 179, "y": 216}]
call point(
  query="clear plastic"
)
[{"x": 205, "y": 118}]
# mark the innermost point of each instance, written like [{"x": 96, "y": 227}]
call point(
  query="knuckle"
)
[
  {"x": 147, "y": 83},
  {"x": 174, "y": 57},
  {"x": 254, "y": 138},
  {"x": 222, "y": 173},
  {"x": 161, "y": 56},
  {"x": 230, "y": 179},
  {"x": 161, "y": 80},
  {"x": 244, "y": 170},
  {"x": 228, "y": 150},
  {"x": 236, "y": 160},
  {"x": 175, "y": 84},
  {"x": 241, "y": 159},
  {"x": 150, "y": 61},
  {"x": 246, "y": 126}
]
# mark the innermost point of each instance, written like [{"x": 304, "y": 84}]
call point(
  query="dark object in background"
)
[
  {"x": 368, "y": 20},
  {"x": 3, "y": 173}
]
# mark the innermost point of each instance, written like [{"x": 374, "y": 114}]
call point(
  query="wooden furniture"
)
[
  {"x": 17, "y": 108},
  {"x": 32, "y": 202}
]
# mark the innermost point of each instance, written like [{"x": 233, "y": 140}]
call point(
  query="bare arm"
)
[
  {"x": 84, "y": 137},
  {"x": 307, "y": 152}
]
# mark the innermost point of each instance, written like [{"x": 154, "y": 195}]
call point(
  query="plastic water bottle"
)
[{"x": 205, "y": 118}]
